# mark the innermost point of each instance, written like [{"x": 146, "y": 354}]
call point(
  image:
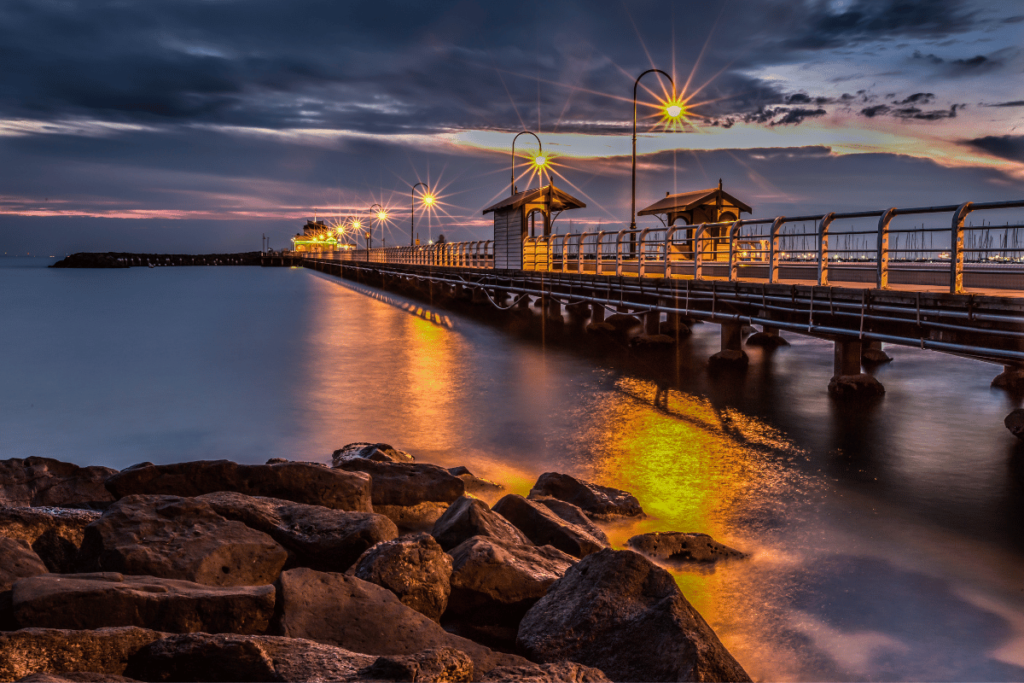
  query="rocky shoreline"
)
[
  {"x": 376, "y": 568},
  {"x": 118, "y": 259}
]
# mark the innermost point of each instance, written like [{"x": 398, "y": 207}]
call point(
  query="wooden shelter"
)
[
  {"x": 515, "y": 219},
  {"x": 700, "y": 206}
]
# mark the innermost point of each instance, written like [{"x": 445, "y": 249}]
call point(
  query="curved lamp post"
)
[
  {"x": 428, "y": 199},
  {"x": 539, "y": 159},
  {"x": 632, "y": 209}
]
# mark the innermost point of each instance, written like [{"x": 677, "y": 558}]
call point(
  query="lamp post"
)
[
  {"x": 632, "y": 206},
  {"x": 539, "y": 159},
  {"x": 428, "y": 199},
  {"x": 382, "y": 215}
]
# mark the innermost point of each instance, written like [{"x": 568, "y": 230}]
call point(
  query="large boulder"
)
[
  {"x": 55, "y": 534},
  {"x": 474, "y": 484},
  {"x": 599, "y": 502},
  {"x": 90, "y": 601},
  {"x": 544, "y": 527},
  {"x": 17, "y": 561},
  {"x": 855, "y": 387},
  {"x": 468, "y": 517},
  {"x": 495, "y": 582},
  {"x": 1015, "y": 423},
  {"x": 559, "y": 672},
  {"x": 415, "y": 568},
  {"x": 412, "y": 495},
  {"x": 314, "y": 536},
  {"x": 381, "y": 452},
  {"x": 179, "y": 538},
  {"x": 55, "y": 651},
  {"x": 227, "y": 657},
  {"x": 572, "y": 514},
  {"x": 677, "y": 546},
  {"x": 295, "y": 481},
  {"x": 26, "y": 482},
  {"x": 364, "y": 617},
  {"x": 619, "y": 612}
]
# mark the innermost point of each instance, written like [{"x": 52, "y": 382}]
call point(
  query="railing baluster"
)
[
  {"x": 826, "y": 220},
  {"x": 882, "y": 256}
]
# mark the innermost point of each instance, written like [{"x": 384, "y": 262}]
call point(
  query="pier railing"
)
[{"x": 924, "y": 247}]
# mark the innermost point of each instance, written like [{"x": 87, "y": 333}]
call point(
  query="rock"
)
[
  {"x": 412, "y": 495},
  {"x": 415, "y": 568},
  {"x": 468, "y": 517},
  {"x": 598, "y": 502},
  {"x": 544, "y": 527},
  {"x": 729, "y": 359},
  {"x": 768, "y": 340},
  {"x": 179, "y": 538},
  {"x": 91, "y": 601},
  {"x": 623, "y": 322},
  {"x": 1015, "y": 423},
  {"x": 76, "y": 677},
  {"x": 619, "y": 612},
  {"x": 314, "y": 536},
  {"x": 442, "y": 664},
  {"x": 676, "y": 546},
  {"x": 55, "y": 534},
  {"x": 55, "y": 651},
  {"x": 295, "y": 481},
  {"x": 379, "y": 452},
  {"x": 228, "y": 657},
  {"x": 1011, "y": 379},
  {"x": 572, "y": 514},
  {"x": 473, "y": 483},
  {"x": 869, "y": 356},
  {"x": 33, "y": 482},
  {"x": 17, "y": 561},
  {"x": 559, "y": 672},
  {"x": 494, "y": 582},
  {"x": 600, "y": 328},
  {"x": 674, "y": 329},
  {"x": 855, "y": 387},
  {"x": 363, "y": 617}
]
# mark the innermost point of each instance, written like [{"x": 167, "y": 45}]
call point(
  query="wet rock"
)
[
  {"x": 1015, "y": 423},
  {"x": 495, "y": 582},
  {"x": 872, "y": 356},
  {"x": 412, "y": 495},
  {"x": 468, "y": 517},
  {"x": 76, "y": 677},
  {"x": 600, "y": 328},
  {"x": 91, "y": 601},
  {"x": 619, "y": 612},
  {"x": 17, "y": 561},
  {"x": 652, "y": 341},
  {"x": 860, "y": 386},
  {"x": 558, "y": 672},
  {"x": 442, "y": 664},
  {"x": 675, "y": 546},
  {"x": 295, "y": 481},
  {"x": 363, "y": 617},
  {"x": 179, "y": 538},
  {"x": 1010, "y": 379},
  {"x": 227, "y": 657},
  {"x": 55, "y": 534},
  {"x": 415, "y": 568},
  {"x": 598, "y": 502},
  {"x": 314, "y": 536},
  {"x": 579, "y": 310},
  {"x": 55, "y": 651},
  {"x": 379, "y": 452},
  {"x": 622, "y": 322},
  {"x": 572, "y": 514},
  {"x": 767, "y": 340},
  {"x": 473, "y": 483},
  {"x": 29, "y": 482},
  {"x": 544, "y": 527},
  {"x": 729, "y": 359},
  {"x": 676, "y": 330}
]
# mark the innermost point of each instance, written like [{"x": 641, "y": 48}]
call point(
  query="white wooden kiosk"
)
[{"x": 515, "y": 220}]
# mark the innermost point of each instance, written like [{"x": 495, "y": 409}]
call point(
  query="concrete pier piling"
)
[
  {"x": 847, "y": 379},
  {"x": 732, "y": 354}
]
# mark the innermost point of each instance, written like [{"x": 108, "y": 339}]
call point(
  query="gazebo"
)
[
  {"x": 700, "y": 206},
  {"x": 515, "y": 219}
]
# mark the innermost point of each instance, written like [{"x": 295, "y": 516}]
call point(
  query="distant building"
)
[{"x": 316, "y": 236}]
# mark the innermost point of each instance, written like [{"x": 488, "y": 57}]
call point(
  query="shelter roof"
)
[
  {"x": 687, "y": 201},
  {"x": 556, "y": 199}
]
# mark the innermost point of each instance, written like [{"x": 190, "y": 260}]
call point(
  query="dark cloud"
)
[
  {"x": 911, "y": 113},
  {"x": 960, "y": 67},
  {"x": 919, "y": 98},
  {"x": 1014, "y": 103},
  {"x": 877, "y": 110},
  {"x": 792, "y": 117},
  {"x": 1004, "y": 146}
]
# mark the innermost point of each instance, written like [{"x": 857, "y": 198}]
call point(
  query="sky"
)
[{"x": 200, "y": 125}]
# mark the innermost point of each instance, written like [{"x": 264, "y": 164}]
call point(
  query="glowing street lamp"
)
[
  {"x": 538, "y": 160},
  {"x": 382, "y": 214},
  {"x": 673, "y": 109},
  {"x": 428, "y": 200}
]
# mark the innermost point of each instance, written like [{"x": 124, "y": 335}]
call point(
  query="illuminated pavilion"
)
[
  {"x": 699, "y": 206},
  {"x": 316, "y": 236}
]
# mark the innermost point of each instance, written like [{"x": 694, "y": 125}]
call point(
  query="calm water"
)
[{"x": 887, "y": 541}]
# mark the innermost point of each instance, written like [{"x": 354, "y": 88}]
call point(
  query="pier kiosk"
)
[
  {"x": 524, "y": 219},
  {"x": 700, "y": 206}
]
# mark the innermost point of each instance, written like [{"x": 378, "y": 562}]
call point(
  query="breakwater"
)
[{"x": 127, "y": 260}]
